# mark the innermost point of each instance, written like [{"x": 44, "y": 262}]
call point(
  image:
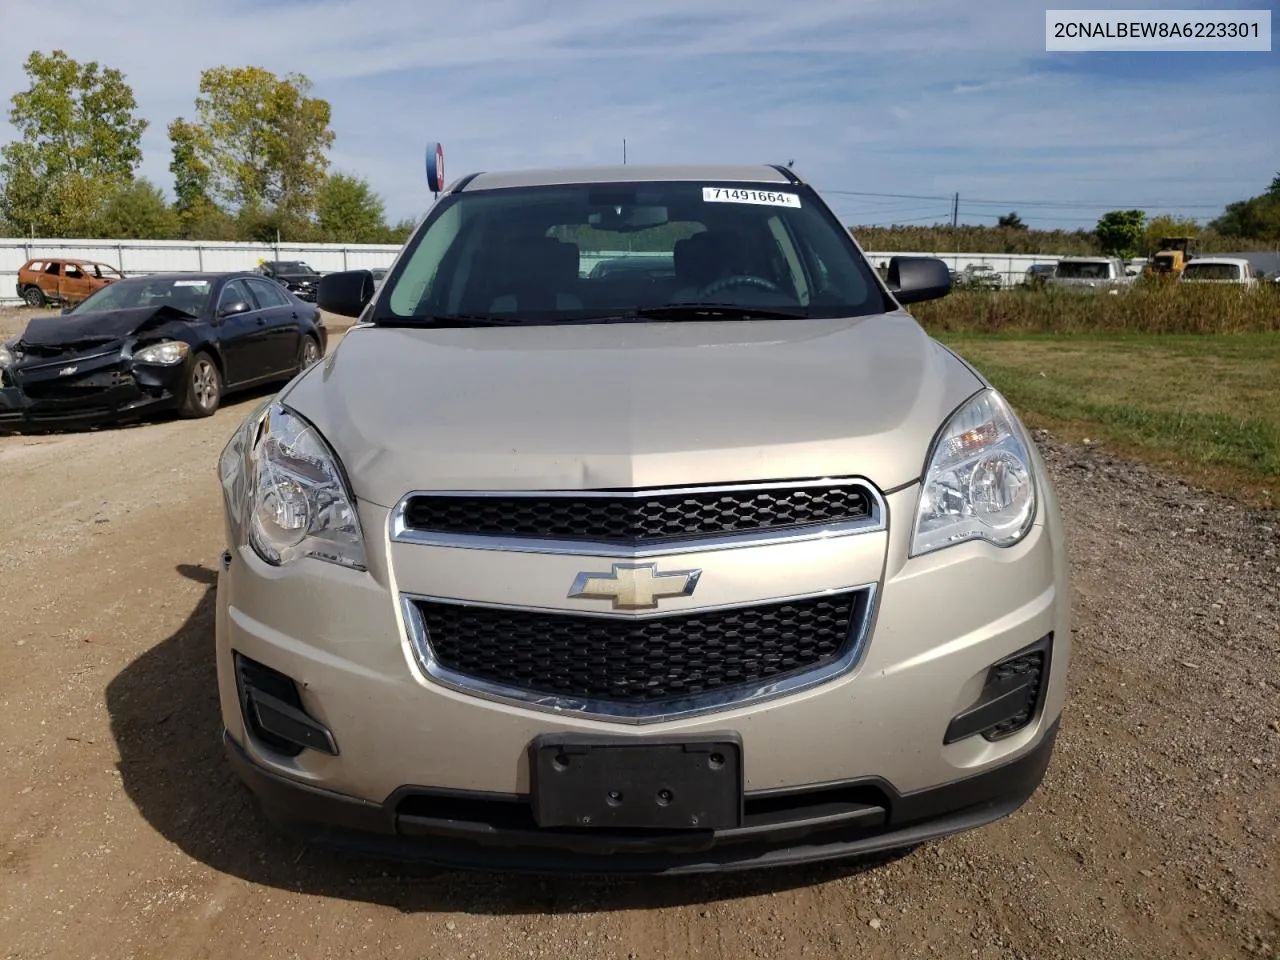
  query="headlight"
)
[
  {"x": 298, "y": 503},
  {"x": 7, "y": 358},
  {"x": 979, "y": 484},
  {"x": 165, "y": 354}
]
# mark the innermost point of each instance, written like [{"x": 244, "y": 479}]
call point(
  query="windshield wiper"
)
[{"x": 717, "y": 311}]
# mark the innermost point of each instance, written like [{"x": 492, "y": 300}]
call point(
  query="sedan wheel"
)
[
  {"x": 204, "y": 388},
  {"x": 310, "y": 353}
]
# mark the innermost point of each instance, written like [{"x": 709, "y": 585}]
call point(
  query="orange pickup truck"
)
[{"x": 59, "y": 280}]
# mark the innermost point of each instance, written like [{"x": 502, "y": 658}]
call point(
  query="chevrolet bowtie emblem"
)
[{"x": 634, "y": 586}]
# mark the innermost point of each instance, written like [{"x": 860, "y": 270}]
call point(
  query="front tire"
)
[
  {"x": 203, "y": 391},
  {"x": 34, "y": 297}
]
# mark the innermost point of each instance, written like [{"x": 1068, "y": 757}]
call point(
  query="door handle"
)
[{"x": 262, "y": 321}]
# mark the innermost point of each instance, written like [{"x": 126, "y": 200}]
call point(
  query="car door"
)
[
  {"x": 284, "y": 324},
  {"x": 49, "y": 279},
  {"x": 242, "y": 334},
  {"x": 75, "y": 284}
]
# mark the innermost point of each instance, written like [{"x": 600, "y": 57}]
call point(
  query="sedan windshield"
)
[
  {"x": 291, "y": 266},
  {"x": 666, "y": 250},
  {"x": 189, "y": 296}
]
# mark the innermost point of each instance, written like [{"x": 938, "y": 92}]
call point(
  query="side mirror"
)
[
  {"x": 913, "y": 279},
  {"x": 231, "y": 309},
  {"x": 65, "y": 310},
  {"x": 345, "y": 293}
]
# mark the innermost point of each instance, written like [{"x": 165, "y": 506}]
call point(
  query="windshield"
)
[
  {"x": 291, "y": 266},
  {"x": 1211, "y": 271},
  {"x": 1084, "y": 271},
  {"x": 615, "y": 251},
  {"x": 189, "y": 296}
]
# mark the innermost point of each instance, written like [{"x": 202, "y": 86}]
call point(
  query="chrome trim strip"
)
[
  {"x": 399, "y": 532},
  {"x": 45, "y": 364},
  {"x": 656, "y": 712}
]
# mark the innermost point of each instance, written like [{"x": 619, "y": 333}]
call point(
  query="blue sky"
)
[{"x": 921, "y": 98}]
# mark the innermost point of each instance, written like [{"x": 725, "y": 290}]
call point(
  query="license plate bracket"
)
[{"x": 622, "y": 783}]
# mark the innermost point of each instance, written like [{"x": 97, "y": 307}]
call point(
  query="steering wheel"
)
[{"x": 738, "y": 280}]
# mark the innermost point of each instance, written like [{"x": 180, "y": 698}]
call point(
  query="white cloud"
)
[{"x": 912, "y": 96}]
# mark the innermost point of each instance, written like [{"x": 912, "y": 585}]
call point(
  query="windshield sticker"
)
[
  {"x": 739, "y": 195},
  {"x": 191, "y": 283}
]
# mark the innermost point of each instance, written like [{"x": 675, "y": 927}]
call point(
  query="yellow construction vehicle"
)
[{"x": 1169, "y": 261}]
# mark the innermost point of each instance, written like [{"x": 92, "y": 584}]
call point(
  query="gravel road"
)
[{"x": 123, "y": 834}]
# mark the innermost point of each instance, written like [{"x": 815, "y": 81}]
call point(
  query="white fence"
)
[{"x": 175, "y": 256}]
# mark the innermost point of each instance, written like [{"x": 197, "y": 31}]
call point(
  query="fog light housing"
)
[
  {"x": 273, "y": 711},
  {"x": 1011, "y": 696}
]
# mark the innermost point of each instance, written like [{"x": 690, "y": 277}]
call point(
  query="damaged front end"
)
[{"x": 67, "y": 372}]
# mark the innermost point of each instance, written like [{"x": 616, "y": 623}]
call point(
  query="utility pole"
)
[
  {"x": 955, "y": 210},
  {"x": 624, "y": 151}
]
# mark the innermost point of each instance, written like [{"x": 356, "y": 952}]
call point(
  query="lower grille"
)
[
  {"x": 645, "y": 661},
  {"x": 74, "y": 388}
]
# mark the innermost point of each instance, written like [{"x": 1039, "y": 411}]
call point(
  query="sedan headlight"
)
[
  {"x": 165, "y": 354},
  {"x": 298, "y": 504},
  {"x": 980, "y": 483}
]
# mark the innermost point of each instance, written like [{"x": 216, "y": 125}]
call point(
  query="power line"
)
[{"x": 1063, "y": 204}]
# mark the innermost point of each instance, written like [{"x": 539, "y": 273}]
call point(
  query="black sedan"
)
[{"x": 144, "y": 344}]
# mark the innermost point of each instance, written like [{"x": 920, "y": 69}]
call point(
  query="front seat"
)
[{"x": 540, "y": 274}]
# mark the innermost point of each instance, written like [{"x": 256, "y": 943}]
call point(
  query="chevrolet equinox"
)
[{"x": 635, "y": 526}]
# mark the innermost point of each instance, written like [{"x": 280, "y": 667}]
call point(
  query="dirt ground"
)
[{"x": 124, "y": 835}]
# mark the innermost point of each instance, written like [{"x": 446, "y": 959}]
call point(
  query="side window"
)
[
  {"x": 51, "y": 269},
  {"x": 233, "y": 291},
  {"x": 35, "y": 266},
  {"x": 416, "y": 277},
  {"x": 73, "y": 272},
  {"x": 267, "y": 294}
]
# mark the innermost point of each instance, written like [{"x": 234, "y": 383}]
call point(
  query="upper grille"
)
[
  {"x": 628, "y": 661},
  {"x": 630, "y": 520}
]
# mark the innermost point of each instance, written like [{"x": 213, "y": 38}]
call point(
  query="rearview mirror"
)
[
  {"x": 231, "y": 309},
  {"x": 345, "y": 293},
  {"x": 912, "y": 279}
]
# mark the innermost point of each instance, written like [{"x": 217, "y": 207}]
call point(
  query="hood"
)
[
  {"x": 632, "y": 404},
  {"x": 101, "y": 326}
]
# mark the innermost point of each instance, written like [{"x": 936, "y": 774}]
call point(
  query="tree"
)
[
  {"x": 1166, "y": 226},
  {"x": 137, "y": 212},
  {"x": 1120, "y": 232},
  {"x": 1256, "y": 218},
  {"x": 348, "y": 211},
  {"x": 1011, "y": 221},
  {"x": 79, "y": 142},
  {"x": 262, "y": 138}
]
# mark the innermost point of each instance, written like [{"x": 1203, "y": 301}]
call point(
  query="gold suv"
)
[{"x": 709, "y": 558}]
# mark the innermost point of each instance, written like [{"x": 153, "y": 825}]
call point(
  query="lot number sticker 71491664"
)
[{"x": 740, "y": 195}]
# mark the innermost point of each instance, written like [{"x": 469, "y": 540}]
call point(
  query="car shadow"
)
[{"x": 165, "y": 718}]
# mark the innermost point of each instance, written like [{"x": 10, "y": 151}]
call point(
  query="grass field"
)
[
  {"x": 1204, "y": 406},
  {"x": 1145, "y": 308}
]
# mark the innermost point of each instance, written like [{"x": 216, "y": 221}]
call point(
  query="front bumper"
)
[
  {"x": 101, "y": 390},
  {"x": 856, "y": 818},
  {"x": 878, "y": 731}
]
